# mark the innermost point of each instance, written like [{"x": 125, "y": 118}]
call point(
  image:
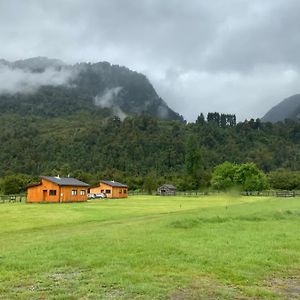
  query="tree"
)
[
  {"x": 284, "y": 179},
  {"x": 246, "y": 177},
  {"x": 223, "y": 176},
  {"x": 15, "y": 184},
  {"x": 213, "y": 118},
  {"x": 150, "y": 183},
  {"x": 223, "y": 120},
  {"x": 193, "y": 162},
  {"x": 200, "y": 119},
  {"x": 249, "y": 178}
]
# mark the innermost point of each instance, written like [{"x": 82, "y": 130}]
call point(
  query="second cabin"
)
[{"x": 112, "y": 189}]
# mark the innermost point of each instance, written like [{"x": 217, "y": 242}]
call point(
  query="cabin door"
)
[{"x": 44, "y": 195}]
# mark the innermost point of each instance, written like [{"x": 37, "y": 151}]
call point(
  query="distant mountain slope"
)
[
  {"x": 48, "y": 87},
  {"x": 287, "y": 109}
]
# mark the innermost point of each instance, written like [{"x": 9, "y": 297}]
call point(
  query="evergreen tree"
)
[{"x": 200, "y": 119}]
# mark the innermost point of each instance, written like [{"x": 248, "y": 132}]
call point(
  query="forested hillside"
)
[
  {"x": 142, "y": 150},
  {"x": 49, "y": 88},
  {"x": 103, "y": 121}
]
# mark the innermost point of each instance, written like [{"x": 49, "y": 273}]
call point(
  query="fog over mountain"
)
[
  {"x": 49, "y": 87},
  {"x": 233, "y": 56},
  {"x": 27, "y": 76}
]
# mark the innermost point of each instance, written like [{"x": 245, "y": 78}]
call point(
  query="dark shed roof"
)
[
  {"x": 114, "y": 183},
  {"x": 65, "y": 181},
  {"x": 169, "y": 186}
]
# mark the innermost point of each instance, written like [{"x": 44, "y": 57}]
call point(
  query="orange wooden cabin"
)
[
  {"x": 112, "y": 189},
  {"x": 57, "y": 189}
]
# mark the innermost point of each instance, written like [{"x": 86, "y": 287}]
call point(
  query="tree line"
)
[{"x": 145, "y": 152}]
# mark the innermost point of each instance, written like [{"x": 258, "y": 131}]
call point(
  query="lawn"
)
[{"x": 150, "y": 247}]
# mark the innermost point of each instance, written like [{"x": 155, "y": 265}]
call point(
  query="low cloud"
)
[
  {"x": 236, "y": 55},
  {"x": 109, "y": 100},
  {"x": 163, "y": 112},
  {"x": 15, "y": 80},
  {"x": 248, "y": 95}
]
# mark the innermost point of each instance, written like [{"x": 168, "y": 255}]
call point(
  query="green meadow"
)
[{"x": 151, "y": 247}]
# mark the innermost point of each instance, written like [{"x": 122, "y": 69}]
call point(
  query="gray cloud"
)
[
  {"x": 238, "y": 56},
  {"x": 247, "y": 95},
  {"x": 16, "y": 80}
]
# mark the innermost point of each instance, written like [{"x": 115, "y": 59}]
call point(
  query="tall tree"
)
[{"x": 194, "y": 161}]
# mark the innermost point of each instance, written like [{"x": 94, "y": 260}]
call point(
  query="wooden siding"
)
[
  {"x": 41, "y": 193},
  {"x": 110, "y": 191},
  {"x": 166, "y": 190}
]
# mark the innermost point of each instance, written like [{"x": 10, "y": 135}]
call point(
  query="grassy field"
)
[{"x": 150, "y": 247}]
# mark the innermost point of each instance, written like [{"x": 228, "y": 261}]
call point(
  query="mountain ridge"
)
[
  {"x": 34, "y": 84},
  {"x": 288, "y": 108}
]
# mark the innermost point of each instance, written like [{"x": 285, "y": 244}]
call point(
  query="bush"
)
[
  {"x": 223, "y": 176},
  {"x": 285, "y": 180},
  {"x": 15, "y": 184},
  {"x": 250, "y": 178},
  {"x": 246, "y": 177}
]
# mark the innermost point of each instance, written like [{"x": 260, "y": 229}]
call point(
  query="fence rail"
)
[
  {"x": 210, "y": 193},
  {"x": 273, "y": 193},
  {"x": 17, "y": 198},
  {"x": 12, "y": 198}
]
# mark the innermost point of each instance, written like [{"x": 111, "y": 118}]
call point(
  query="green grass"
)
[{"x": 149, "y": 247}]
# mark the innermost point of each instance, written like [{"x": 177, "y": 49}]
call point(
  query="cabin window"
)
[
  {"x": 82, "y": 192},
  {"x": 125, "y": 191},
  {"x": 107, "y": 191},
  {"x": 74, "y": 192},
  {"x": 120, "y": 191},
  {"x": 52, "y": 192},
  {"x": 102, "y": 191}
]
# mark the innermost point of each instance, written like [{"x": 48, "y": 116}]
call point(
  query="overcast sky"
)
[{"x": 233, "y": 56}]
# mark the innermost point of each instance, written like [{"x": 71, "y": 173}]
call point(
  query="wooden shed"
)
[
  {"x": 112, "y": 189},
  {"x": 57, "y": 189},
  {"x": 167, "y": 190}
]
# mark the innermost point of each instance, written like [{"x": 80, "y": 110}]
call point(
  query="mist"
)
[
  {"x": 108, "y": 99},
  {"x": 16, "y": 80},
  {"x": 229, "y": 56}
]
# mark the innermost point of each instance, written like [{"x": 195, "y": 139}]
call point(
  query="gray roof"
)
[
  {"x": 65, "y": 181},
  {"x": 114, "y": 183},
  {"x": 169, "y": 186}
]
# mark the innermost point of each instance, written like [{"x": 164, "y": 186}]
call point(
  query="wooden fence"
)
[
  {"x": 210, "y": 193},
  {"x": 22, "y": 197},
  {"x": 190, "y": 193},
  {"x": 12, "y": 198},
  {"x": 273, "y": 193}
]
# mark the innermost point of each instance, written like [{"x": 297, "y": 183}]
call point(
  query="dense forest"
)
[
  {"x": 58, "y": 119},
  {"x": 143, "y": 151}
]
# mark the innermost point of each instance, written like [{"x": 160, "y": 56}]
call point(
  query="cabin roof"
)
[
  {"x": 169, "y": 186},
  {"x": 65, "y": 181},
  {"x": 113, "y": 183}
]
